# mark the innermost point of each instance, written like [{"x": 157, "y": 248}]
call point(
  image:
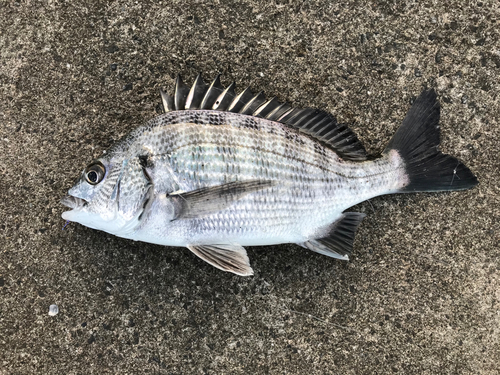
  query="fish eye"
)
[{"x": 94, "y": 173}]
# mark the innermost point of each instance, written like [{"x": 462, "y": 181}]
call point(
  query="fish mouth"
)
[{"x": 73, "y": 202}]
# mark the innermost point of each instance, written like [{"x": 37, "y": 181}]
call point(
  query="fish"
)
[{"x": 218, "y": 171}]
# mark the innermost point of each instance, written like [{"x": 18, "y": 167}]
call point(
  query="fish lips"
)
[{"x": 73, "y": 202}]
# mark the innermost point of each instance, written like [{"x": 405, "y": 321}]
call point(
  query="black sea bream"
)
[{"x": 219, "y": 171}]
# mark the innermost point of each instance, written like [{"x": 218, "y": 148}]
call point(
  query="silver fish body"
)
[
  {"x": 215, "y": 180},
  {"x": 313, "y": 185}
]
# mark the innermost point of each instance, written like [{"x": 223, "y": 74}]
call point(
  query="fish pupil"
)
[{"x": 92, "y": 176}]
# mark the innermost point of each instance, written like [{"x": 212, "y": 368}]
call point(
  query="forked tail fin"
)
[{"x": 417, "y": 142}]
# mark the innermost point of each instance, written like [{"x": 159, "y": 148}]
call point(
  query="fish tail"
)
[{"x": 417, "y": 143}]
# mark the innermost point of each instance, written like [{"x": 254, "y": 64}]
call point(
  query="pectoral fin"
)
[
  {"x": 340, "y": 238},
  {"x": 226, "y": 257},
  {"x": 206, "y": 201}
]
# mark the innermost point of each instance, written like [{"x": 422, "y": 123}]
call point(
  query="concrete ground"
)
[{"x": 422, "y": 292}]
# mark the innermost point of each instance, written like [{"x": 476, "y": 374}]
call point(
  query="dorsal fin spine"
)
[
  {"x": 253, "y": 104},
  {"x": 212, "y": 93},
  {"x": 181, "y": 92},
  {"x": 278, "y": 111},
  {"x": 196, "y": 93},
  {"x": 225, "y": 98},
  {"x": 237, "y": 102},
  {"x": 168, "y": 101},
  {"x": 267, "y": 107},
  {"x": 285, "y": 114}
]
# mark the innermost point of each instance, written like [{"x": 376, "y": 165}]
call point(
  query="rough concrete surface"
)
[{"x": 422, "y": 292}]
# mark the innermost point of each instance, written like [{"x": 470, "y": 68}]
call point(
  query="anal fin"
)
[
  {"x": 340, "y": 238},
  {"x": 226, "y": 257}
]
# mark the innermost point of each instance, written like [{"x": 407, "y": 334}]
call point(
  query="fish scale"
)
[{"x": 219, "y": 171}]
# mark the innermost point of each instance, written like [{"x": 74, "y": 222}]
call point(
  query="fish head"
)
[{"x": 110, "y": 195}]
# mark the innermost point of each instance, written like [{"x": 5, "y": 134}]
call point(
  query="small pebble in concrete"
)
[{"x": 53, "y": 310}]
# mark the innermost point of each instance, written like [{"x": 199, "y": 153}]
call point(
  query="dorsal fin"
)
[
  {"x": 196, "y": 94},
  {"x": 267, "y": 108},
  {"x": 181, "y": 93},
  {"x": 241, "y": 100},
  {"x": 212, "y": 93},
  {"x": 225, "y": 99},
  {"x": 253, "y": 104},
  {"x": 168, "y": 101},
  {"x": 324, "y": 127},
  {"x": 314, "y": 122},
  {"x": 278, "y": 112}
]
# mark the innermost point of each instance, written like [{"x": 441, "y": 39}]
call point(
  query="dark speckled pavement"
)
[{"x": 422, "y": 292}]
